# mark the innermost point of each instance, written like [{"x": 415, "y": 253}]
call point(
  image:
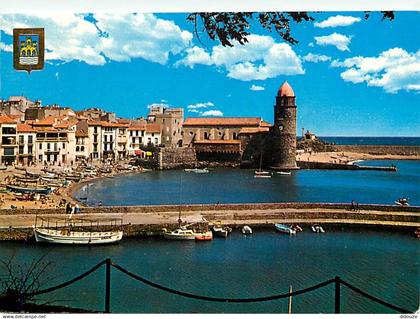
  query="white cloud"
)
[
  {"x": 165, "y": 105},
  {"x": 315, "y": 58},
  {"x": 6, "y": 47},
  {"x": 199, "y": 105},
  {"x": 121, "y": 37},
  {"x": 212, "y": 113},
  {"x": 259, "y": 59},
  {"x": 393, "y": 70},
  {"x": 256, "y": 88},
  {"x": 337, "y": 21},
  {"x": 338, "y": 40}
]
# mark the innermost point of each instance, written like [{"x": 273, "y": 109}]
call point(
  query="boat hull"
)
[
  {"x": 284, "y": 229},
  {"x": 18, "y": 189},
  {"x": 178, "y": 236},
  {"x": 204, "y": 236},
  {"x": 63, "y": 237}
]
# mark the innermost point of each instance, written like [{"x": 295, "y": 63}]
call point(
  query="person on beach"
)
[{"x": 77, "y": 209}]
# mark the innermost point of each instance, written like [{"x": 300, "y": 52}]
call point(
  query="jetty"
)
[{"x": 149, "y": 220}]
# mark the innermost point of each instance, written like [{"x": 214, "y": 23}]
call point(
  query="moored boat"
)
[
  {"x": 23, "y": 190},
  {"x": 221, "y": 231},
  {"x": 3, "y": 168},
  {"x": 67, "y": 236},
  {"x": 246, "y": 230},
  {"x": 284, "y": 173},
  {"x": 204, "y": 236},
  {"x": 282, "y": 228},
  {"x": 402, "y": 202},
  {"x": 262, "y": 174},
  {"x": 197, "y": 170},
  {"x": 180, "y": 234},
  {"x": 317, "y": 229}
]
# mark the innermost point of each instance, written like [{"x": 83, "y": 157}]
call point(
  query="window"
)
[
  {"x": 30, "y": 149},
  {"x": 153, "y": 134},
  {"x": 156, "y": 141},
  {"x": 95, "y": 130},
  {"x": 30, "y": 139},
  {"x": 77, "y": 148},
  {"x": 40, "y": 146},
  {"x": 235, "y": 135},
  {"x": 20, "y": 149},
  {"x": 21, "y": 139},
  {"x": 133, "y": 140},
  {"x": 48, "y": 146},
  {"x": 40, "y": 158},
  {"x": 82, "y": 148},
  {"x": 64, "y": 146}
]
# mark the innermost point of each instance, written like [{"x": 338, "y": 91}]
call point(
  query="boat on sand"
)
[{"x": 285, "y": 229}]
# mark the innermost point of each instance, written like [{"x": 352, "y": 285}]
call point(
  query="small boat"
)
[
  {"x": 180, "y": 234},
  {"x": 402, "y": 202},
  {"x": 246, "y": 230},
  {"x": 23, "y": 190},
  {"x": 221, "y": 231},
  {"x": 197, "y": 170},
  {"x": 3, "y": 168},
  {"x": 282, "y": 228},
  {"x": 105, "y": 170},
  {"x": 317, "y": 229},
  {"x": 262, "y": 174},
  {"x": 284, "y": 173},
  {"x": 204, "y": 236},
  {"x": 32, "y": 174},
  {"x": 67, "y": 236},
  {"x": 26, "y": 180},
  {"x": 20, "y": 168}
]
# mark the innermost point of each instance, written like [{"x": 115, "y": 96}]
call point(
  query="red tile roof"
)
[
  {"x": 4, "y": 119},
  {"x": 153, "y": 128},
  {"x": 222, "y": 121},
  {"x": 25, "y": 128},
  {"x": 217, "y": 142}
]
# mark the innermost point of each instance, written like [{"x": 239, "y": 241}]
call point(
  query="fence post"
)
[
  {"x": 337, "y": 294},
  {"x": 108, "y": 286}
]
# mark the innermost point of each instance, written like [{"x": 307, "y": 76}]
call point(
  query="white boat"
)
[
  {"x": 180, "y": 234},
  {"x": 402, "y": 202},
  {"x": 317, "y": 229},
  {"x": 262, "y": 174},
  {"x": 197, "y": 170},
  {"x": 66, "y": 236},
  {"x": 285, "y": 229},
  {"x": 284, "y": 173},
  {"x": 246, "y": 230},
  {"x": 221, "y": 231}
]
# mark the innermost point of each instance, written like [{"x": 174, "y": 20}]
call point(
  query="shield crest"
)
[{"x": 28, "y": 49}]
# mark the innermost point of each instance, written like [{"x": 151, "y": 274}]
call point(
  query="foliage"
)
[
  {"x": 228, "y": 27},
  {"x": 17, "y": 280}
]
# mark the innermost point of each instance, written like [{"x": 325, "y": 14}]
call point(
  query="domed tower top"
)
[{"x": 286, "y": 90}]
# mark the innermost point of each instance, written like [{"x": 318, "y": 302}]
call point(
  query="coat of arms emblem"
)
[{"x": 28, "y": 49}]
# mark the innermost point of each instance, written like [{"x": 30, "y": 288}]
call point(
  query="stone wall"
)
[
  {"x": 378, "y": 149},
  {"x": 209, "y": 207},
  {"x": 177, "y": 157}
]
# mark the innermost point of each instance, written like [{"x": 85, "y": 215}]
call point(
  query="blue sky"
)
[{"x": 350, "y": 76}]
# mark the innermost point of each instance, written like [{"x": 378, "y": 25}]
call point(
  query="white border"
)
[{"x": 156, "y": 6}]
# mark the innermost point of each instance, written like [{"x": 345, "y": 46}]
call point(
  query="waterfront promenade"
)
[{"x": 149, "y": 220}]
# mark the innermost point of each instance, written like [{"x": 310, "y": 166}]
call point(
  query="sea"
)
[
  {"x": 381, "y": 262},
  {"x": 228, "y": 185},
  {"x": 371, "y": 140}
]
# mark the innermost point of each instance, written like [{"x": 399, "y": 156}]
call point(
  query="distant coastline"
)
[{"x": 372, "y": 140}]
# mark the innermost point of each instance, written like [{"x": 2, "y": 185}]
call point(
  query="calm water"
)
[
  {"x": 239, "y": 186},
  {"x": 372, "y": 140},
  {"x": 383, "y": 263}
]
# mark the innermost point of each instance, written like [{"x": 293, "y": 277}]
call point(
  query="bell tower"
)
[{"x": 284, "y": 130}]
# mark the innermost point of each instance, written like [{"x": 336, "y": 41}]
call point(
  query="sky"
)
[{"x": 351, "y": 76}]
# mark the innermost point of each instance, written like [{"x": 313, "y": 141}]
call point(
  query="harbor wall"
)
[
  {"x": 177, "y": 157},
  {"x": 212, "y": 207},
  {"x": 378, "y": 149}
]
